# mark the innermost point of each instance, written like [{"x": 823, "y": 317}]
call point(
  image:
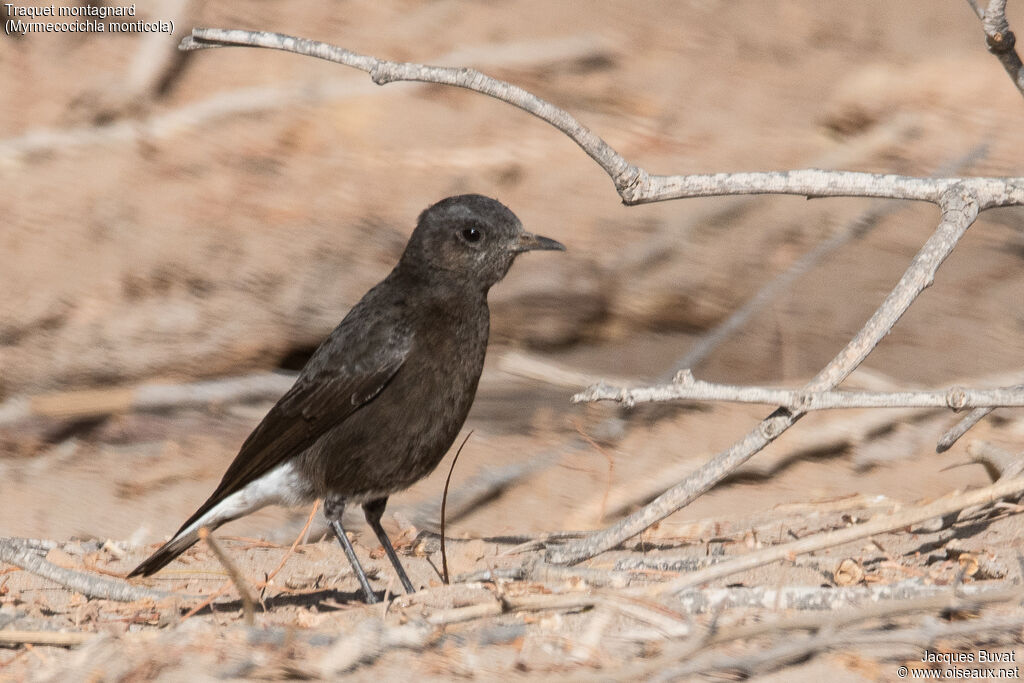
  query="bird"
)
[{"x": 382, "y": 399}]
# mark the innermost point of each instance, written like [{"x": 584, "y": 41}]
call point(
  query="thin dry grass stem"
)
[
  {"x": 270, "y": 577},
  {"x": 248, "y": 602},
  {"x": 295, "y": 543},
  {"x": 209, "y": 600},
  {"x": 444, "y": 506}
]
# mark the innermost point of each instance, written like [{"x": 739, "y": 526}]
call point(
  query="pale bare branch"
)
[
  {"x": 687, "y": 388},
  {"x": 27, "y": 558},
  {"x": 634, "y": 184}
]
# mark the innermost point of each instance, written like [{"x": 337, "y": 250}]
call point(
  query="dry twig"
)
[
  {"x": 248, "y": 602},
  {"x": 965, "y": 424},
  {"x": 687, "y": 388},
  {"x": 27, "y": 558},
  {"x": 295, "y": 543},
  {"x": 947, "y": 440},
  {"x": 1000, "y": 464}
]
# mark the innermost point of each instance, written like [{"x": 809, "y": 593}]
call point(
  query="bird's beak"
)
[{"x": 530, "y": 242}]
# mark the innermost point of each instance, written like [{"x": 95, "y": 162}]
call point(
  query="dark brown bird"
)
[{"x": 382, "y": 399}]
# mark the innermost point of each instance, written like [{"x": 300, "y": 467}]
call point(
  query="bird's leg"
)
[
  {"x": 334, "y": 508},
  {"x": 374, "y": 510}
]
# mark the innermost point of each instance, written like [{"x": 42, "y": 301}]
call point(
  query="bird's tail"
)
[
  {"x": 166, "y": 554},
  {"x": 211, "y": 515},
  {"x": 278, "y": 486}
]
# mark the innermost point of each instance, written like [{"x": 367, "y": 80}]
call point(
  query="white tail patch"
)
[{"x": 283, "y": 485}]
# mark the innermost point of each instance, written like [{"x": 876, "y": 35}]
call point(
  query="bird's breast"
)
[{"x": 401, "y": 436}]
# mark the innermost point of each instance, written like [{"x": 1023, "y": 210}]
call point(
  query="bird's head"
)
[{"x": 470, "y": 239}]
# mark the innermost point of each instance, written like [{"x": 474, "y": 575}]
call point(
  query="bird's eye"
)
[{"x": 471, "y": 235}]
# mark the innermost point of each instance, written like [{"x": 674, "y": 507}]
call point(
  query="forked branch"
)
[{"x": 959, "y": 210}]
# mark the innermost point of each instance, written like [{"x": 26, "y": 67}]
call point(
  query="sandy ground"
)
[{"x": 222, "y": 223}]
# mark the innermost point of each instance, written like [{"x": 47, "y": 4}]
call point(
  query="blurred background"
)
[{"x": 172, "y": 217}]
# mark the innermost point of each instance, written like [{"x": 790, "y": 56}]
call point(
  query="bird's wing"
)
[{"x": 348, "y": 371}]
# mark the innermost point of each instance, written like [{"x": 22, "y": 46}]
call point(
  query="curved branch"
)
[
  {"x": 634, "y": 184},
  {"x": 383, "y": 71}
]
